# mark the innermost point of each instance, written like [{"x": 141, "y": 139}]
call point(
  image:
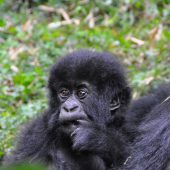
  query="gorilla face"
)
[{"x": 72, "y": 112}]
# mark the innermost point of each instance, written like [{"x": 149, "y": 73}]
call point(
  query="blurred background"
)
[{"x": 34, "y": 33}]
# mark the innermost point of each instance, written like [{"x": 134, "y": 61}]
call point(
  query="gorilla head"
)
[{"x": 88, "y": 86}]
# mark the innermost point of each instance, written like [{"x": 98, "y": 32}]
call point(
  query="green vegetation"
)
[
  {"x": 31, "y": 39},
  {"x": 24, "y": 167}
]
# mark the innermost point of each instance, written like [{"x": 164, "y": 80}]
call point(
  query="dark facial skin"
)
[{"x": 72, "y": 114}]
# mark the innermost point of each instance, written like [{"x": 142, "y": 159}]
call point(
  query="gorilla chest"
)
[{"x": 66, "y": 160}]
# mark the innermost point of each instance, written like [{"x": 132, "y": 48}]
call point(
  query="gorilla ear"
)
[
  {"x": 123, "y": 97},
  {"x": 114, "y": 104}
]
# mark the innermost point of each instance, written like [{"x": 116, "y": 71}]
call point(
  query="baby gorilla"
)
[{"x": 81, "y": 129}]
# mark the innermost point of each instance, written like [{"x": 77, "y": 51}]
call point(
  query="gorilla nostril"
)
[
  {"x": 66, "y": 109},
  {"x": 73, "y": 109},
  {"x": 70, "y": 109}
]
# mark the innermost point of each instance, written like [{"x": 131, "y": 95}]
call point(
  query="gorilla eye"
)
[
  {"x": 64, "y": 93},
  {"x": 82, "y": 93}
]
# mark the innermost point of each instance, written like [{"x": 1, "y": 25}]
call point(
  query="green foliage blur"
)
[
  {"x": 23, "y": 167},
  {"x": 33, "y": 35}
]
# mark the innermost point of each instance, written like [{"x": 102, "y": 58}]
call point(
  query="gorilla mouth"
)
[
  {"x": 75, "y": 119},
  {"x": 76, "y": 122},
  {"x": 73, "y": 122},
  {"x": 70, "y": 125}
]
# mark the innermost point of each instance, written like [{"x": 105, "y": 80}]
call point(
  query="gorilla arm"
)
[{"x": 31, "y": 144}]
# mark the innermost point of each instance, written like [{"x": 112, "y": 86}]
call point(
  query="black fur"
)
[
  {"x": 95, "y": 146},
  {"x": 150, "y": 119}
]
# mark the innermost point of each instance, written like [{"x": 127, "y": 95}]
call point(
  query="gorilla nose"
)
[{"x": 71, "y": 108}]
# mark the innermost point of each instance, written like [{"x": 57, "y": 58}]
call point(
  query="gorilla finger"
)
[
  {"x": 74, "y": 132},
  {"x": 84, "y": 122}
]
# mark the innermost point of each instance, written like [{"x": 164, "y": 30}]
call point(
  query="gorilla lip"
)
[
  {"x": 74, "y": 119},
  {"x": 74, "y": 122}
]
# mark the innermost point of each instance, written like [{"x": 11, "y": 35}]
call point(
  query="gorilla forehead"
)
[{"x": 94, "y": 67}]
